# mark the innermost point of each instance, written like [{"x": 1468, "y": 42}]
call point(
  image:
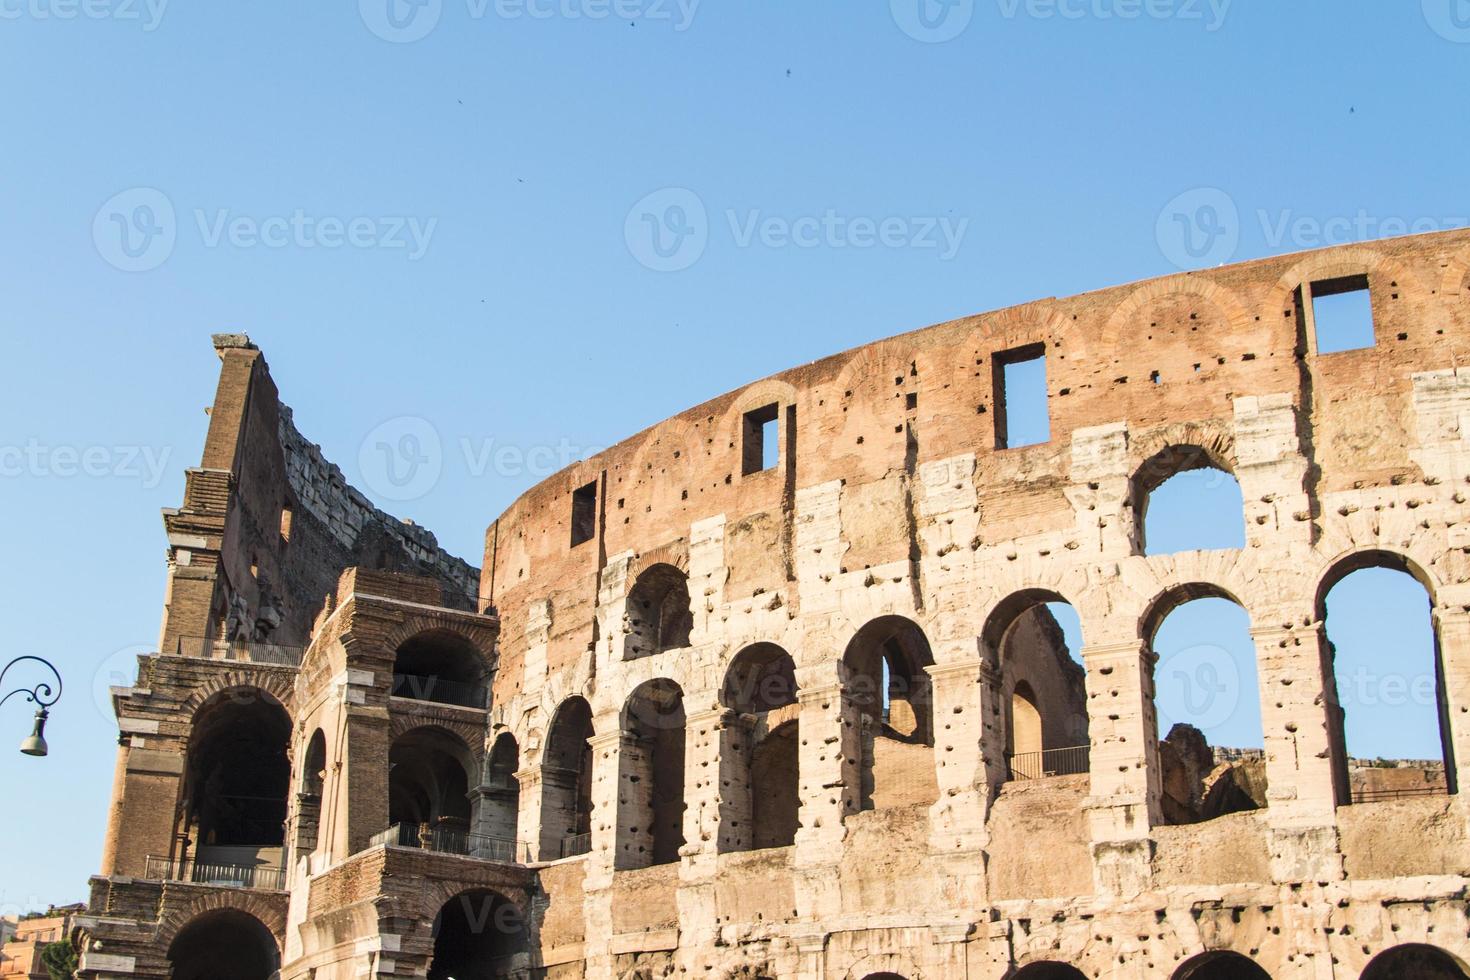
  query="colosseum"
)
[{"x": 773, "y": 689}]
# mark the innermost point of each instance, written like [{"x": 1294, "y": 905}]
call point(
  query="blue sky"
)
[{"x": 449, "y": 228}]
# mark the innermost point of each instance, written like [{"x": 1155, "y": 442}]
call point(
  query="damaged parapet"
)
[{"x": 268, "y": 525}]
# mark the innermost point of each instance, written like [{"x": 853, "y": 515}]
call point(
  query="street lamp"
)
[{"x": 43, "y": 696}]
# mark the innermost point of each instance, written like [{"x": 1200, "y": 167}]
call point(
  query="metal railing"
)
[
  {"x": 417, "y": 687},
  {"x": 228, "y": 875},
  {"x": 446, "y": 840},
  {"x": 1377, "y": 795},
  {"x": 575, "y": 845},
  {"x": 246, "y": 651},
  {"x": 1071, "y": 761}
]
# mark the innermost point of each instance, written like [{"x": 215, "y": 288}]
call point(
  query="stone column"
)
[
  {"x": 969, "y": 753},
  {"x": 528, "y": 843},
  {"x": 1452, "y": 635},
  {"x": 703, "y": 794},
  {"x": 608, "y": 747},
  {"x": 830, "y": 785},
  {"x": 1124, "y": 764}
]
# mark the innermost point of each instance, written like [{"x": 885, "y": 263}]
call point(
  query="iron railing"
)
[
  {"x": 228, "y": 875},
  {"x": 1377, "y": 795},
  {"x": 1071, "y": 761},
  {"x": 418, "y": 687},
  {"x": 246, "y": 651},
  {"x": 446, "y": 840},
  {"x": 575, "y": 845}
]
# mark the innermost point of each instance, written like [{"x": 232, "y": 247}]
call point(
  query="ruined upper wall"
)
[
  {"x": 268, "y": 524},
  {"x": 1173, "y": 358}
]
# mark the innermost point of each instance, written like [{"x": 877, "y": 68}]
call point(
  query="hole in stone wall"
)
[
  {"x": 1019, "y": 378},
  {"x": 760, "y": 446},
  {"x": 1342, "y": 310},
  {"x": 584, "y": 513}
]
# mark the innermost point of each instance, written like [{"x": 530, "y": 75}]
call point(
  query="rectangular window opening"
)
[
  {"x": 1021, "y": 414},
  {"x": 760, "y": 440},
  {"x": 584, "y": 513},
  {"x": 1342, "y": 314}
]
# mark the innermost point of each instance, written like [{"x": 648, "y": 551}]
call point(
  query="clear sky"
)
[{"x": 540, "y": 225}]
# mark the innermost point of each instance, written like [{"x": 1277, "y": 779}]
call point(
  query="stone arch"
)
[
  {"x": 1172, "y": 596},
  {"x": 237, "y": 779},
  {"x": 1047, "y": 970},
  {"x": 1222, "y": 298},
  {"x": 886, "y": 684},
  {"x": 659, "y": 615},
  {"x": 479, "y": 931},
  {"x": 650, "y": 819},
  {"x": 1456, "y": 278},
  {"x": 1344, "y": 778},
  {"x": 310, "y": 788},
  {"x": 1419, "y": 961},
  {"x": 440, "y": 662},
  {"x": 1193, "y": 451},
  {"x": 566, "y": 781},
  {"x": 276, "y": 685},
  {"x": 1220, "y": 965},
  {"x": 884, "y": 965},
  {"x": 728, "y": 428},
  {"x": 270, "y": 913},
  {"x": 759, "y": 758}
]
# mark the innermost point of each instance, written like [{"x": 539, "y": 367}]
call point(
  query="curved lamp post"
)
[{"x": 43, "y": 696}]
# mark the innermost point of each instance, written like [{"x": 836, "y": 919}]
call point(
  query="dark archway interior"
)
[
  {"x": 659, "y": 616},
  {"x": 1414, "y": 961},
  {"x": 441, "y": 666},
  {"x": 1221, "y": 966},
  {"x": 224, "y": 945},
  {"x": 654, "y": 717},
  {"x": 775, "y": 788},
  {"x": 427, "y": 780},
  {"x": 566, "y": 794},
  {"x": 478, "y": 935},
  {"x": 886, "y": 678},
  {"x": 762, "y": 678},
  {"x": 1049, "y": 971},
  {"x": 502, "y": 801},
  {"x": 239, "y": 772}
]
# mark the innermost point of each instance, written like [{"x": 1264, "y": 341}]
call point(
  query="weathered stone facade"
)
[{"x": 811, "y": 719}]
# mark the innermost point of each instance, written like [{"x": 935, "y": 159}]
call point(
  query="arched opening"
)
[
  {"x": 658, "y": 616},
  {"x": 1187, "y": 499},
  {"x": 309, "y": 795},
  {"x": 1207, "y": 701},
  {"x": 1048, "y": 970},
  {"x": 566, "y": 783},
  {"x": 887, "y": 684},
  {"x": 225, "y": 944},
  {"x": 759, "y": 751},
  {"x": 428, "y": 790},
  {"x": 479, "y": 934},
  {"x": 1220, "y": 966},
  {"x": 1391, "y": 718},
  {"x": 235, "y": 788},
  {"x": 1414, "y": 961},
  {"x": 1042, "y": 684},
  {"x": 651, "y": 777},
  {"x": 500, "y": 800},
  {"x": 442, "y": 666},
  {"x": 884, "y": 976}
]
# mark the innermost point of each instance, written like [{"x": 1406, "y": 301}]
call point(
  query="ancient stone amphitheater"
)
[{"x": 772, "y": 688}]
